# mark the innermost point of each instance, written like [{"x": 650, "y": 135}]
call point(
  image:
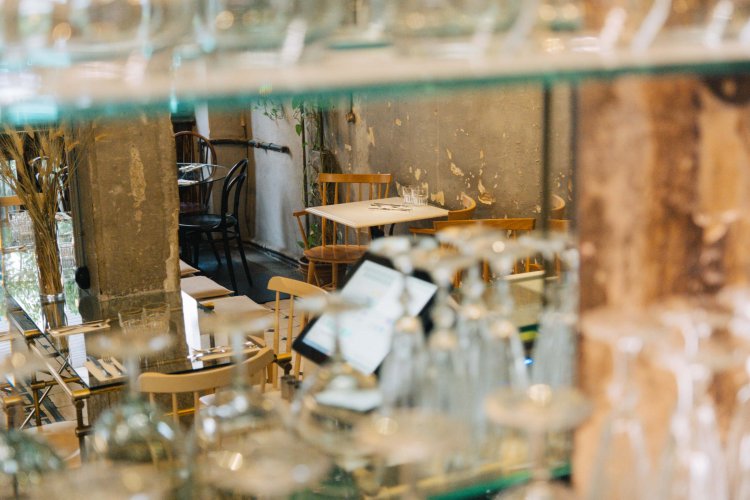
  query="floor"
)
[{"x": 263, "y": 266}]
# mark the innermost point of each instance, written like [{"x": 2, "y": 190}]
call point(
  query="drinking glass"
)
[
  {"x": 449, "y": 28},
  {"x": 106, "y": 480},
  {"x": 240, "y": 412},
  {"x": 21, "y": 229},
  {"x": 621, "y": 467},
  {"x": 447, "y": 372},
  {"x": 693, "y": 464},
  {"x": 332, "y": 400},
  {"x": 271, "y": 465},
  {"x": 136, "y": 430},
  {"x": 60, "y": 32},
  {"x": 409, "y": 437},
  {"x": 403, "y": 368},
  {"x": 24, "y": 460},
  {"x": 269, "y": 32},
  {"x": 407, "y": 193},
  {"x": 538, "y": 411},
  {"x": 738, "y": 301}
]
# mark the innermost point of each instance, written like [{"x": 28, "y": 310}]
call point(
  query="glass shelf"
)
[{"x": 165, "y": 83}]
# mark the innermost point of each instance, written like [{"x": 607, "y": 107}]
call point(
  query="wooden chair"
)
[
  {"x": 340, "y": 244},
  {"x": 202, "y": 382},
  {"x": 512, "y": 226},
  {"x": 193, "y": 147},
  {"x": 557, "y": 207},
  {"x": 466, "y": 212},
  {"x": 559, "y": 225},
  {"x": 294, "y": 289}
]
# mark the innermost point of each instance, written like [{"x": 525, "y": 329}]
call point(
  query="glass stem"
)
[
  {"x": 132, "y": 368},
  {"x": 337, "y": 354},
  {"x": 236, "y": 339},
  {"x": 537, "y": 449}
]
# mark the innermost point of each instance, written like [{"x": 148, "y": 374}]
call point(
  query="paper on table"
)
[
  {"x": 98, "y": 373},
  {"x": 226, "y": 354},
  {"x": 361, "y": 401},
  {"x": 200, "y": 287},
  {"x": 91, "y": 326},
  {"x": 186, "y": 182}
]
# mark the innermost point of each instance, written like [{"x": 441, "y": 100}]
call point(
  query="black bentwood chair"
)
[{"x": 227, "y": 222}]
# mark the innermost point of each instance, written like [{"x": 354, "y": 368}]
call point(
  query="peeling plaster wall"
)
[{"x": 485, "y": 143}]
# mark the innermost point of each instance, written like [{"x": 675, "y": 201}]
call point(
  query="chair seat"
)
[
  {"x": 205, "y": 222},
  {"x": 338, "y": 254}
]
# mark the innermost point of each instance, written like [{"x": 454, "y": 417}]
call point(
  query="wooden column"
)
[{"x": 655, "y": 154}]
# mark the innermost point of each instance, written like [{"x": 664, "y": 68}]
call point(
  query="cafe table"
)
[
  {"x": 195, "y": 182},
  {"x": 373, "y": 213}
]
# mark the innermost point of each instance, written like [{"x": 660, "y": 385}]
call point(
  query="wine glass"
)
[
  {"x": 270, "y": 465},
  {"x": 554, "y": 349},
  {"x": 693, "y": 463},
  {"x": 408, "y": 437},
  {"x": 403, "y": 367},
  {"x": 538, "y": 411},
  {"x": 333, "y": 399},
  {"x": 240, "y": 411},
  {"x": 136, "y": 430},
  {"x": 447, "y": 371},
  {"x": 115, "y": 481},
  {"x": 621, "y": 467},
  {"x": 738, "y": 300},
  {"x": 24, "y": 460}
]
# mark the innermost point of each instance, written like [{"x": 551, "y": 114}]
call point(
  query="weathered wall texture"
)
[
  {"x": 127, "y": 188},
  {"x": 485, "y": 143},
  {"x": 657, "y": 157}
]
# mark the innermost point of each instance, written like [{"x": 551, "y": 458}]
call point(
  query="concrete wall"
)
[{"x": 485, "y": 143}]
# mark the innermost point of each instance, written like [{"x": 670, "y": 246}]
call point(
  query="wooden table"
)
[{"x": 363, "y": 214}]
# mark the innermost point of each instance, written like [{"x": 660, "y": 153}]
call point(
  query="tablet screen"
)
[{"x": 366, "y": 333}]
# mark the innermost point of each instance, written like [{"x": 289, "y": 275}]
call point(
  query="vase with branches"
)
[{"x": 40, "y": 183}]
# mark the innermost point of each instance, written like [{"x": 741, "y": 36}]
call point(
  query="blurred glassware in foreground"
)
[
  {"x": 539, "y": 411},
  {"x": 269, "y": 32},
  {"x": 622, "y": 466},
  {"x": 693, "y": 463},
  {"x": 449, "y": 28},
  {"x": 367, "y": 28},
  {"x": 335, "y": 398},
  {"x": 59, "y": 32},
  {"x": 136, "y": 430},
  {"x": 239, "y": 412}
]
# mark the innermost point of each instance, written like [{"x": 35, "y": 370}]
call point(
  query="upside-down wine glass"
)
[
  {"x": 693, "y": 464},
  {"x": 333, "y": 399},
  {"x": 24, "y": 460},
  {"x": 239, "y": 411},
  {"x": 538, "y": 411},
  {"x": 403, "y": 367},
  {"x": 446, "y": 374},
  {"x": 136, "y": 430},
  {"x": 554, "y": 349},
  {"x": 738, "y": 440},
  {"x": 621, "y": 467}
]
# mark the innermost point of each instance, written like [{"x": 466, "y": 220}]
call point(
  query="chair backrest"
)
[
  {"x": 294, "y": 289},
  {"x": 468, "y": 206},
  {"x": 233, "y": 185},
  {"x": 557, "y": 207},
  {"x": 512, "y": 226},
  {"x": 559, "y": 225},
  {"x": 345, "y": 188},
  {"x": 201, "y": 382},
  {"x": 193, "y": 147}
]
